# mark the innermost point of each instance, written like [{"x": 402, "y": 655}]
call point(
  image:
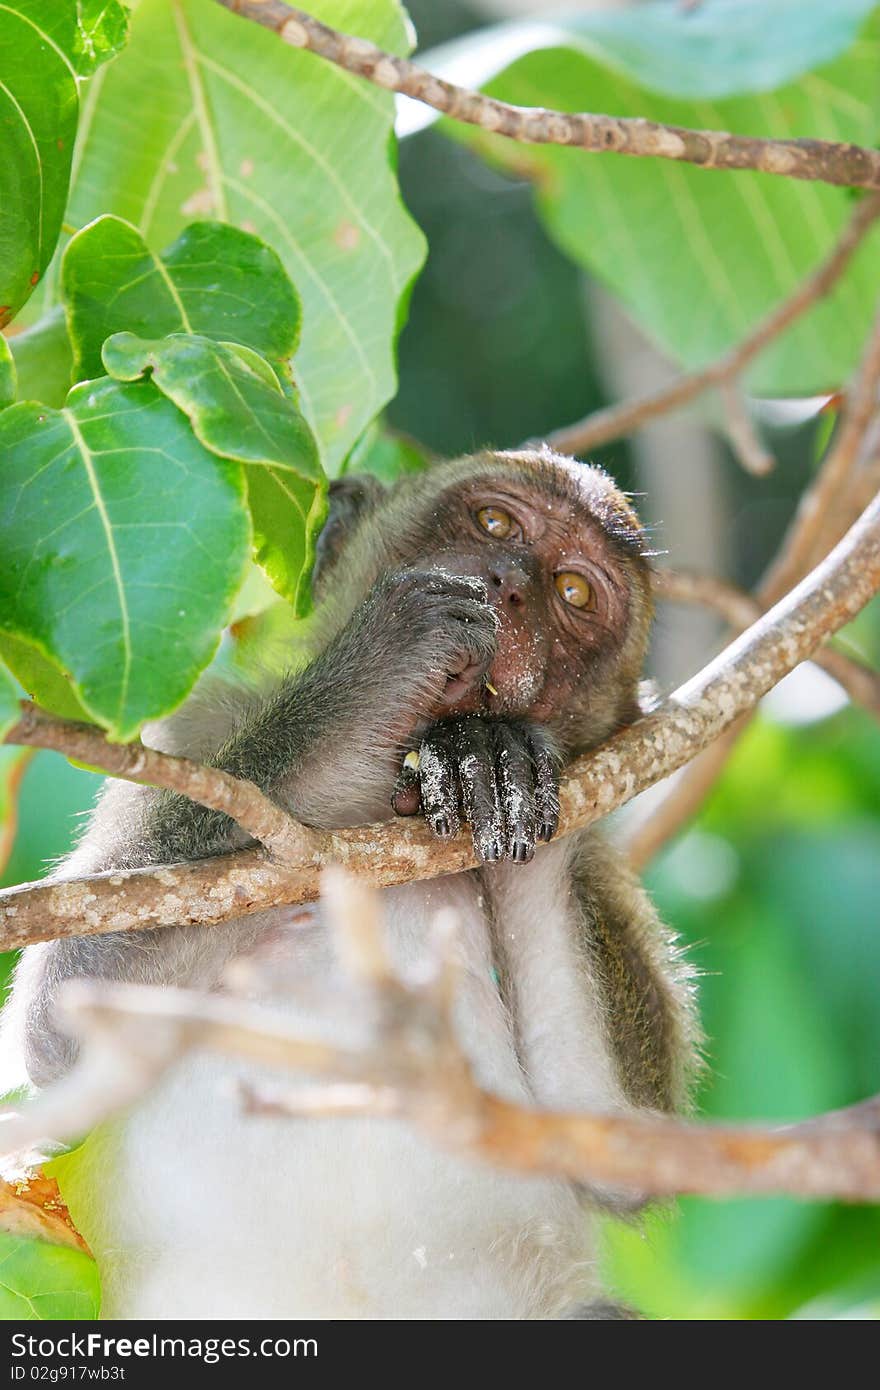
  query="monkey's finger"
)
[
  {"x": 516, "y": 788},
  {"x": 438, "y": 782},
  {"x": 475, "y": 627},
  {"x": 468, "y": 586},
  {"x": 546, "y": 764},
  {"x": 407, "y": 795},
  {"x": 466, "y": 649},
  {"x": 475, "y": 755}
]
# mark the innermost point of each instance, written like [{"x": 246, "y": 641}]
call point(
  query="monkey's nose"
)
[{"x": 511, "y": 582}]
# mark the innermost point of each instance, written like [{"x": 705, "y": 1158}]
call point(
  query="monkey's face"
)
[{"x": 569, "y": 600}]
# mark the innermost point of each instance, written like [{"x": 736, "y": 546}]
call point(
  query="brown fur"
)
[
  {"x": 337, "y": 711},
  {"x": 646, "y": 981}
]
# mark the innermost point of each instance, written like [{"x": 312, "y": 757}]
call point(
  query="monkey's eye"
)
[
  {"x": 496, "y": 521},
  {"x": 574, "y": 589}
]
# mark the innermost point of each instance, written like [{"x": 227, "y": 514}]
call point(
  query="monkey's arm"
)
[{"x": 326, "y": 744}]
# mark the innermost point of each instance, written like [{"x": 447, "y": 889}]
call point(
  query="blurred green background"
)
[
  {"x": 777, "y": 885},
  {"x": 776, "y": 888}
]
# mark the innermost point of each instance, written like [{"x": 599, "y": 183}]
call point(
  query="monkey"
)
[{"x": 476, "y": 626}]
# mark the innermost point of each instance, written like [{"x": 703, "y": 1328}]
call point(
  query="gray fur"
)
[
  {"x": 328, "y": 740},
  {"x": 602, "y": 1311}
]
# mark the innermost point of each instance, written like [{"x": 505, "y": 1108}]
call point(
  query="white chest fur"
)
[{"x": 195, "y": 1210}]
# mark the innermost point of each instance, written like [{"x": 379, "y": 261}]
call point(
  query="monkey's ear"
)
[{"x": 351, "y": 498}]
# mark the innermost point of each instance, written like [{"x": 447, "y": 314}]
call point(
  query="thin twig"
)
[
  {"x": 864, "y": 485},
  {"x": 601, "y": 426},
  {"x": 596, "y": 784},
  {"x": 826, "y": 161},
  {"x": 267, "y": 822},
  {"x": 752, "y": 453}
]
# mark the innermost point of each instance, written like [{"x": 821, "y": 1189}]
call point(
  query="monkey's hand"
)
[
  {"x": 445, "y": 627},
  {"x": 501, "y": 776}
]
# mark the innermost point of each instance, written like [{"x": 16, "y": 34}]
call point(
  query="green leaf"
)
[
  {"x": 87, "y": 32},
  {"x": 124, "y": 543},
  {"x": 44, "y": 49},
  {"x": 255, "y": 596},
  {"x": 827, "y": 420},
  {"x": 52, "y": 794},
  {"x": 43, "y": 360},
  {"x": 14, "y": 763},
  {"x": 7, "y": 374},
  {"x": 9, "y": 711},
  {"x": 726, "y": 48},
  {"x": 38, "y": 115},
  {"x": 699, "y": 257},
  {"x": 214, "y": 280},
  {"x": 858, "y": 1300},
  {"x": 44, "y": 1282},
  {"x": 239, "y": 414},
  {"x": 41, "y": 678},
  {"x": 272, "y": 640},
  {"x": 227, "y": 122}
]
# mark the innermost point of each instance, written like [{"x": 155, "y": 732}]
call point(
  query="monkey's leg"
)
[
  {"x": 602, "y": 997},
  {"x": 557, "y": 1001}
]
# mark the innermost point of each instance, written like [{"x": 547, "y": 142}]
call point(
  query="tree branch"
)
[
  {"x": 821, "y": 500},
  {"x": 800, "y": 547},
  {"x": 852, "y": 166},
  {"x": 610, "y": 423},
  {"x": 267, "y": 822},
  {"x": 413, "y": 1067},
  {"x": 742, "y": 436},
  {"x": 386, "y": 854},
  {"x": 740, "y": 609},
  {"x": 681, "y": 800}
]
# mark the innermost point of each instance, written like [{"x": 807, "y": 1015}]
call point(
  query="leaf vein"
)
[{"x": 107, "y": 525}]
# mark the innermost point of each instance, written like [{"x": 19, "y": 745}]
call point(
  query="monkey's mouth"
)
[{"x": 461, "y": 683}]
